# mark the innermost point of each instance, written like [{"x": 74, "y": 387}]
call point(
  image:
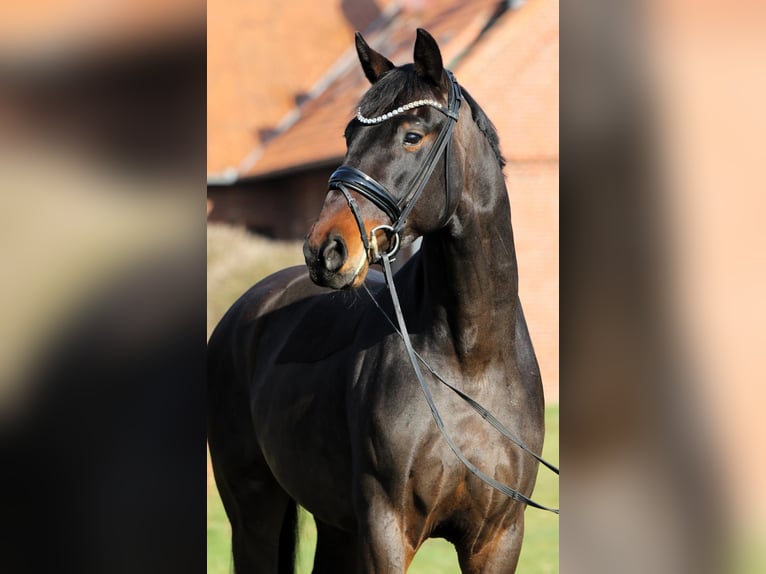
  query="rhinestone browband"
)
[{"x": 399, "y": 110}]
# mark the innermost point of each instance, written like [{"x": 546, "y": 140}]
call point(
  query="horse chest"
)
[
  {"x": 429, "y": 488},
  {"x": 405, "y": 439}
]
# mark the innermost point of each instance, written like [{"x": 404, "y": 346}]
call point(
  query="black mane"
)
[
  {"x": 402, "y": 85},
  {"x": 485, "y": 125}
]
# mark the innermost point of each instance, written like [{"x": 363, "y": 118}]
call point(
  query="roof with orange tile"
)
[
  {"x": 511, "y": 69},
  {"x": 264, "y": 56},
  {"x": 313, "y": 133}
]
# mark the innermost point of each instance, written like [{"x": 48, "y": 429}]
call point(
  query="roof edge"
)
[
  {"x": 282, "y": 172},
  {"x": 338, "y": 68}
]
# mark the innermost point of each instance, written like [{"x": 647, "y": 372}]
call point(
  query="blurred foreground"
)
[
  {"x": 663, "y": 275},
  {"x": 102, "y": 298}
]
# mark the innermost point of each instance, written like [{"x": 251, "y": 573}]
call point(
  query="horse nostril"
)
[{"x": 334, "y": 253}]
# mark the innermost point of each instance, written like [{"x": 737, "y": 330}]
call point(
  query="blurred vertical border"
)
[
  {"x": 102, "y": 182},
  {"x": 662, "y": 315}
]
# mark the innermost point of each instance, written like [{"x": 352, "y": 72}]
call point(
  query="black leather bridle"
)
[
  {"x": 346, "y": 177},
  {"x": 397, "y": 210}
]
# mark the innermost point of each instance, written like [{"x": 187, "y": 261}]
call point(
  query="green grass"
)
[
  {"x": 236, "y": 260},
  {"x": 218, "y": 535},
  {"x": 540, "y": 551}
]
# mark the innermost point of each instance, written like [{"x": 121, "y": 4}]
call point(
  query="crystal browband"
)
[{"x": 399, "y": 110}]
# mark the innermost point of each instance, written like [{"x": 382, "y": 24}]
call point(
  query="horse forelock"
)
[{"x": 395, "y": 88}]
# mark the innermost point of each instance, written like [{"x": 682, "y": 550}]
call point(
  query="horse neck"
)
[{"x": 470, "y": 271}]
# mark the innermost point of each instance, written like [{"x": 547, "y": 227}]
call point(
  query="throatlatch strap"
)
[{"x": 442, "y": 142}]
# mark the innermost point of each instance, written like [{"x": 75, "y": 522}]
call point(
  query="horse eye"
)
[{"x": 412, "y": 138}]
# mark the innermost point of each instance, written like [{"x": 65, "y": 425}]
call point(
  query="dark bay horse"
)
[{"x": 312, "y": 399}]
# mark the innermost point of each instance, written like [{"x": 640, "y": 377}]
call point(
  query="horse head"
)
[{"x": 398, "y": 181}]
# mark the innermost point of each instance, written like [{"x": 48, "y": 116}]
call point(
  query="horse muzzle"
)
[{"x": 331, "y": 264}]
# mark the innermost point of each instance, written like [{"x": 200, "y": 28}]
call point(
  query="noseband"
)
[{"x": 397, "y": 210}]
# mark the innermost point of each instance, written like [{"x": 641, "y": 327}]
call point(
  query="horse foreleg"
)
[
  {"x": 498, "y": 555},
  {"x": 263, "y": 524},
  {"x": 381, "y": 547}
]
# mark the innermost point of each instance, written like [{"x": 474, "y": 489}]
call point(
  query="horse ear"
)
[
  {"x": 373, "y": 64},
  {"x": 428, "y": 58}
]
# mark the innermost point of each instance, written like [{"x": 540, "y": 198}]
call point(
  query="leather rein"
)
[{"x": 347, "y": 177}]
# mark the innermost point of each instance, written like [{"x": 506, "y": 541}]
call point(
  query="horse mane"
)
[
  {"x": 485, "y": 126},
  {"x": 402, "y": 85}
]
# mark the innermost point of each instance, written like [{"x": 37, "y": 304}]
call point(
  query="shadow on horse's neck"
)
[{"x": 470, "y": 271}]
